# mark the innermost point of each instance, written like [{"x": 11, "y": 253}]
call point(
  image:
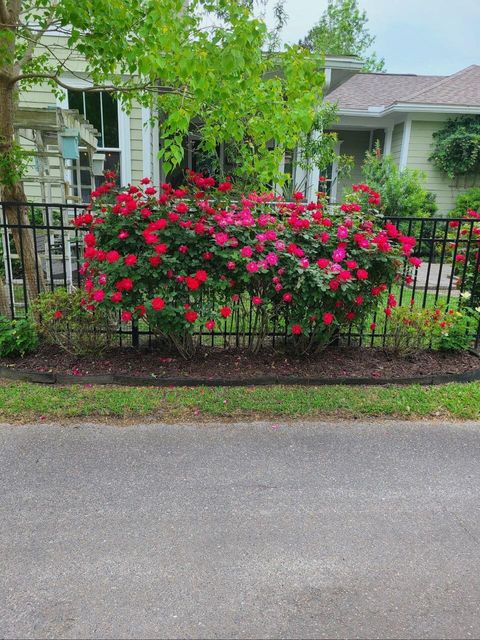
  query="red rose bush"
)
[{"x": 192, "y": 259}]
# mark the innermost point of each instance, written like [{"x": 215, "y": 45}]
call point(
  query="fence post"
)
[{"x": 135, "y": 334}]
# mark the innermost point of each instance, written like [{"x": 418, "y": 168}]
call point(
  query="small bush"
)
[
  {"x": 63, "y": 320},
  {"x": 470, "y": 200},
  {"x": 17, "y": 337},
  {"x": 436, "y": 328},
  {"x": 402, "y": 190}
]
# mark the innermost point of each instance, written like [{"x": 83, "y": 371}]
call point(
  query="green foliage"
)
[
  {"x": 13, "y": 165},
  {"x": 17, "y": 337},
  {"x": 456, "y": 149},
  {"x": 342, "y": 30},
  {"x": 402, "y": 190},
  {"x": 465, "y": 201},
  {"x": 210, "y": 56},
  {"x": 412, "y": 329},
  {"x": 62, "y": 321}
]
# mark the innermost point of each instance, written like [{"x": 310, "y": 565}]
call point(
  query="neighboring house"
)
[{"x": 402, "y": 111}]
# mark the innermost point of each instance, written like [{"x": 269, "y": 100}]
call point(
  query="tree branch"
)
[
  {"x": 148, "y": 86},
  {"x": 4, "y": 14}
]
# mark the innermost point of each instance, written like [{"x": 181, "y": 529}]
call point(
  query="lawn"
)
[{"x": 20, "y": 402}]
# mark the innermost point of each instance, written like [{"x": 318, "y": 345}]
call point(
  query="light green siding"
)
[
  {"x": 419, "y": 150},
  {"x": 43, "y": 97},
  {"x": 354, "y": 143},
  {"x": 397, "y": 138},
  {"x": 136, "y": 143}
]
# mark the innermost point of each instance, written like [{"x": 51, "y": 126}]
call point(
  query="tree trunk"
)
[
  {"x": 17, "y": 216},
  {"x": 4, "y": 302}
]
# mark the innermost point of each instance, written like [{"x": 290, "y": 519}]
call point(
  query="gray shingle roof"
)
[{"x": 382, "y": 90}]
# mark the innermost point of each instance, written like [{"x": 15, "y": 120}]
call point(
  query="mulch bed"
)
[{"x": 212, "y": 364}]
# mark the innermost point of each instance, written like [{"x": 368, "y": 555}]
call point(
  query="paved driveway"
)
[{"x": 240, "y": 531}]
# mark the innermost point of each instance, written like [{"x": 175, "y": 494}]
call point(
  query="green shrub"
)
[
  {"x": 17, "y": 337},
  {"x": 63, "y": 321},
  {"x": 439, "y": 328},
  {"x": 456, "y": 149},
  {"x": 465, "y": 201},
  {"x": 402, "y": 190}
]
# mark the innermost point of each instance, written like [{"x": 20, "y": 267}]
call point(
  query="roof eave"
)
[{"x": 410, "y": 108}]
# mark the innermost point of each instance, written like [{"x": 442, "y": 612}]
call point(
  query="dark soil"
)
[{"x": 213, "y": 364}]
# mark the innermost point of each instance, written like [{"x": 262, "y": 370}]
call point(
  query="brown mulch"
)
[{"x": 213, "y": 364}]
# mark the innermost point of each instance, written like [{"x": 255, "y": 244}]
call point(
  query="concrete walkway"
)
[{"x": 240, "y": 531}]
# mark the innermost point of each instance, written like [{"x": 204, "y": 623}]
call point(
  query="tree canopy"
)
[
  {"x": 209, "y": 61},
  {"x": 342, "y": 30}
]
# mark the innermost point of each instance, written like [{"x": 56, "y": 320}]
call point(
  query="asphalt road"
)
[{"x": 240, "y": 531}]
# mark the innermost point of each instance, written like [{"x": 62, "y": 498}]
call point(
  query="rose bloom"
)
[
  {"x": 256, "y": 300},
  {"x": 201, "y": 275},
  {"x": 57, "y": 315},
  {"x": 157, "y": 303},
  {"x": 98, "y": 295},
  {"x": 362, "y": 274},
  {"x": 191, "y": 316},
  {"x": 246, "y": 252},
  {"x": 296, "y": 329},
  {"x": 415, "y": 261},
  {"x": 116, "y": 297},
  {"x": 323, "y": 263},
  {"x": 126, "y": 316},
  {"x": 225, "y": 312},
  {"x": 287, "y": 297},
  {"x": 192, "y": 283},
  {"x": 210, "y": 325},
  {"x": 252, "y": 267},
  {"x": 130, "y": 260},
  {"x": 112, "y": 256},
  {"x": 328, "y": 318}
]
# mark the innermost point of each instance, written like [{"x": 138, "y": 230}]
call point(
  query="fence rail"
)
[{"x": 58, "y": 256}]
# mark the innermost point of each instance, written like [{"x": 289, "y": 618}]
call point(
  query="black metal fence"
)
[{"x": 58, "y": 256}]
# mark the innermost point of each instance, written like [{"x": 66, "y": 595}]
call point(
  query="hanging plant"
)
[{"x": 456, "y": 149}]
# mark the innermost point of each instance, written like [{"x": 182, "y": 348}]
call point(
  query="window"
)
[{"x": 101, "y": 110}]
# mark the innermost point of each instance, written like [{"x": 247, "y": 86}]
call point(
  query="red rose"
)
[
  {"x": 362, "y": 274},
  {"x": 130, "y": 260},
  {"x": 225, "y": 312},
  {"x": 112, "y": 256},
  {"x": 191, "y": 316},
  {"x": 126, "y": 316},
  {"x": 328, "y": 318},
  {"x": 157, "y": 304},
  {"x": 210, "y": 325},
  {"x": 296, "y": 329},
  {"x": 192, "y": 283},
  {"x": 57, "y": 315},
  {"x": 116, "y": 297},
  {"x": 201, "y": 275}
]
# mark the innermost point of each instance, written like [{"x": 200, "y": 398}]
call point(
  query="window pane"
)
[
  {"x": 92, "y": 103},
  {"x": 112, "y": 163},
  {"x": 110, "y": 121},
  {"x": 75, "y": 100}
]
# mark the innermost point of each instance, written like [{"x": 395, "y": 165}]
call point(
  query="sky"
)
[{"x": 432, "y": 37}]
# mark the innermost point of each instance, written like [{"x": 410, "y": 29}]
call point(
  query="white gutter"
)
[{"x": 409, "y": 107}]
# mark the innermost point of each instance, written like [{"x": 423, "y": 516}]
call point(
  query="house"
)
[{"x": 402, "y": 112}]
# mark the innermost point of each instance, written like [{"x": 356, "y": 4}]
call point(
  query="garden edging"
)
[{"x": 134, "y": 381}]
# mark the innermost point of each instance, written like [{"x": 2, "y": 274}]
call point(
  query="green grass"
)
[{"x": 20, "y": 402}]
